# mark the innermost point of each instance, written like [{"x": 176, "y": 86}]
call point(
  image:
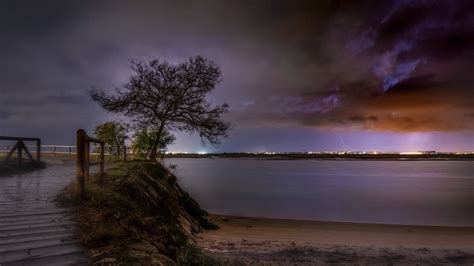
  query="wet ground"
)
[{"x": 33, "y": 228}]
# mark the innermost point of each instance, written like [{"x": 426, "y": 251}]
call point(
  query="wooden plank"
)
[
  {"x": 20, "y": 152},
  {"x": 38, "y": 150},
  {"x": 27, "y": 152},
  {"x": 33, "y": 229},
  {"x": 10, "y": 153},
  {"x": 18, "y": 138},
  {"x": 93, "y": 140}
]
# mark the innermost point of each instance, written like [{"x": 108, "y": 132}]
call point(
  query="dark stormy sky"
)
[{"x": 298, "y": 75}]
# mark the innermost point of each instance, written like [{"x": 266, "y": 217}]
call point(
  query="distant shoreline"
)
[
  {"x": 327, "y": 223},
  {"x": 342, "y": 157}
]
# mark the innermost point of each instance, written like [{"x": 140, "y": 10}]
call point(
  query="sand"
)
[{"x": 276, "y": 241}]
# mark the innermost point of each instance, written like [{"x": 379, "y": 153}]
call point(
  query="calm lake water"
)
[{"x": 391, "y": 192}]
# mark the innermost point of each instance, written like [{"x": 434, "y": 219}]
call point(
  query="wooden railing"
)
[
  {"x": 83, "y": 158},
  {"x": 63, "y": 150},
  {"x": 68, "y": 151},
  {"x": 20, "y": 147}
]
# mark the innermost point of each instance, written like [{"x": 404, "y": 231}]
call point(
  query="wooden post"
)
[
  {"x": 102, "y": 157},
  {"x": 27, "y": 152},
  {"x": 10, "y": 153},
  {"x": 87, "y": 158},
  {"x": 81, "y": 161},
  {"x": 20, "y": 153},
  {"x": 54, "y": 151},
  {"x": 38, "y": 151},
  {"x": 70, "y": 152},
  {"x": 124, "y": 153}
]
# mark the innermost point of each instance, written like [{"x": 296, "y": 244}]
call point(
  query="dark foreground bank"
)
[{"x": 137, "y": 213}]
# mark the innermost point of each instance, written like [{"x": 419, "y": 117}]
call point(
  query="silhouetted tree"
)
[
  {"x": 143, "y": 141},
  {"x": 171, "y": 96},
  {"x": 114, "y": 135}
]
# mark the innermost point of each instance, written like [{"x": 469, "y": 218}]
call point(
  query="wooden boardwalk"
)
[{"x": 33, "y": 229}]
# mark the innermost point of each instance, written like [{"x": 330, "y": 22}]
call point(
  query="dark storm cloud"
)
[
  {"x": 424, "y": 52},
  {"x": 406, "y": 68},
  {"x": 296, "y": 63}
]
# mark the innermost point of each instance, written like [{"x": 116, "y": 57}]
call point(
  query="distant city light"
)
[
  {"x": 318, "y": 153},
  {"x": 411, "y": 153}
]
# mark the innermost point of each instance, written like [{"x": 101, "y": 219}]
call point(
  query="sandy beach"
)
[{"x": 278, "y": 241}]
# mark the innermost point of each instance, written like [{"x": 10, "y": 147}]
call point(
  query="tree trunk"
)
[{"x": 154, "y": 148}]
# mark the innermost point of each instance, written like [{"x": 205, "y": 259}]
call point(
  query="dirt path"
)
[{"x": 33, "y": 229}]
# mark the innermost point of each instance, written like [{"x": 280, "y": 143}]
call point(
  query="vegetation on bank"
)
[
  {"x": 137, "y": 213},
  {"x": 115, "y": 133}
]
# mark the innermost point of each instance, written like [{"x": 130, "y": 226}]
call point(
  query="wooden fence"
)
[
  {"x": 83, "y": 158},
  {"x": 19, "y": 147},
  {"x": 66, "y": 151}
]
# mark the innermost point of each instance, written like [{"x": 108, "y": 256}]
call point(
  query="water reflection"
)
[{"x": 394, "y": 192}]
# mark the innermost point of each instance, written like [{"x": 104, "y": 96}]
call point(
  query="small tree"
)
[
  {"x": 171, "y": 97},
  {"x": 114, "y": 135},
  {"x": 143, "y": 141}
]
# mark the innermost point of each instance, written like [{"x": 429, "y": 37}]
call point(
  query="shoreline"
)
[
  {"x": 329, "y": 222},
  {"x": 257, "y": 240},
  {"x": 283, "y": 158},
  {"x": 302, "y": 230}
]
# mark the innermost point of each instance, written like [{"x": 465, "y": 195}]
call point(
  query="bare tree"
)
[{"x": 171, "y": 96}]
